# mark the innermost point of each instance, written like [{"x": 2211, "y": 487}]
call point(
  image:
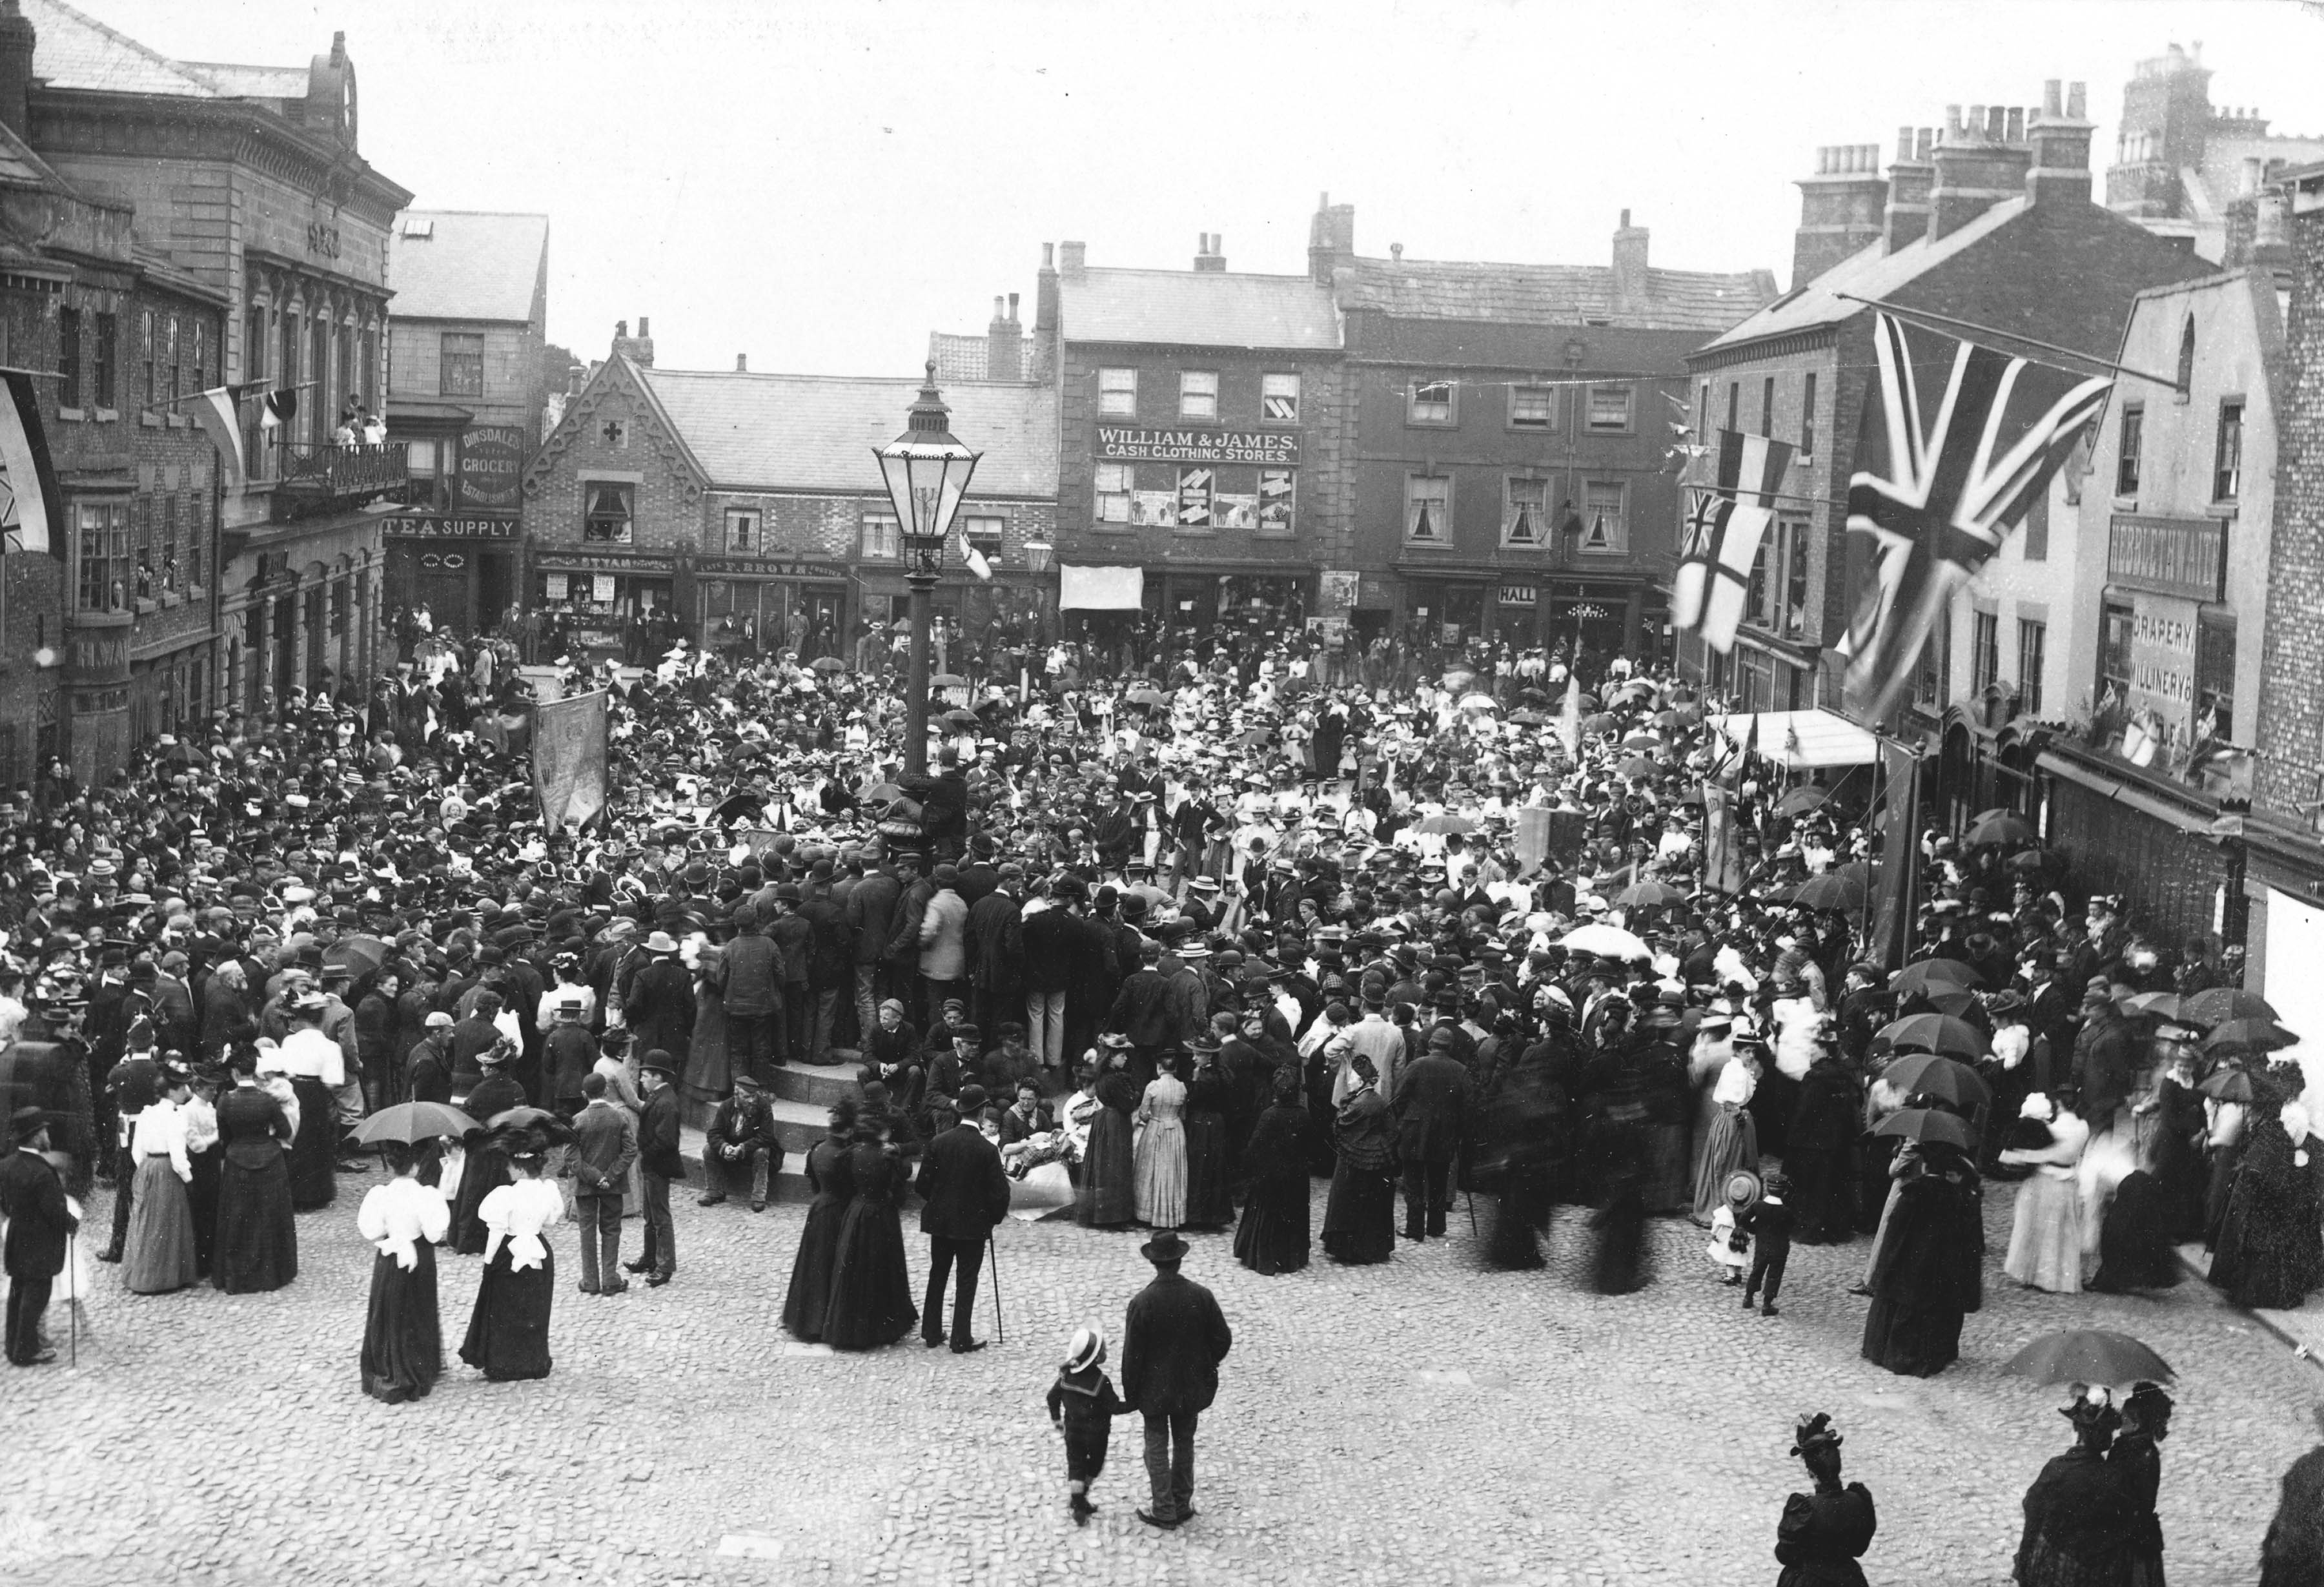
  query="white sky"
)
[{"x": 819, "y": 186}]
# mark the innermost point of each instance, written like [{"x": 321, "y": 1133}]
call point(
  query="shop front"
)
[
  {"x": 603, "y": 594},
  {"x": 461, "y": 565},
  {"x": 748, "y": 607},
  {"x": 1213, "y": 603}
]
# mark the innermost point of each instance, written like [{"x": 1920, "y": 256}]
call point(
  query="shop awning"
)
[
  {"x": 1800, "y": 741},
  {"x": 1100, "y": 589}
]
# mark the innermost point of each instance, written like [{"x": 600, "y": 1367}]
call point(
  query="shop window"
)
[
  {"x": 2115, "y": 628},
  {"x": 1278, "y": 399},
  {"x": 2126, "y": 463},
  {"x": 611, "y": 516},
  {"x": 107, "y": 373},
  {"x": 1605, "y": 530},
  {"x": 1114, "y": 484},
  {"x": 102, "y": 548},
  {"x": 2215, "y": 678},
  {"x": 1198, "y": 394},
  {"x": 68, "y": 358},
  {"x": 985, "y": 533},
  {"x": 1807, "y": 417},
  {"x": 1427, "y": 510},
  {"x": 883, "y": 537},
  {"x": 2033, "y": 654},
  {"x": 1429, "y": 402},
  {"x": 742, "y": 533},
  {"x": 1525, "y": 514},
  {"x": 1277, "y": 489},
  {"x": 1197, "y": 506},
  {"x": 1609, "y": 410},
  {"x": 1117, "y": 393},
  {"x": 1985, "y": 651},
  {"x": 2228, "y": 453},
  {"x": 1532, "y": 407},
  {"x": 463, "y": 372}
]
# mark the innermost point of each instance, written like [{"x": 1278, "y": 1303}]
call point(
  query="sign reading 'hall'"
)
[{"x": 1122, "y": 444}]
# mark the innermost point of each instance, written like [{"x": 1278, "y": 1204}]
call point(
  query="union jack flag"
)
[
  {"x": 1956, "y": 442},
  {"x": 1721, "y": 534}
]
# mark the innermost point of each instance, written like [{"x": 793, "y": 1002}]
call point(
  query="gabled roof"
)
[
  {"x": 816, "y": 432},
  {"x": 1868, "y": 273},
  {"x": 1197, "y": 308},
  {"x": 78, "y": 52},
  {"x": 1551, "y": 294},
  {"x": 20, "y": 167},
  {"x": 476, "y": 265}
]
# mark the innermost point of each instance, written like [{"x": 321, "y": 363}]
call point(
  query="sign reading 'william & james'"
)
[{"x": 1123, "y": 444}]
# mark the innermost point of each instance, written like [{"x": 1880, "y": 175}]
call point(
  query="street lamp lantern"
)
[
  {"x": 1040, "y": 555},
  {"x": 927, "y": 470}
]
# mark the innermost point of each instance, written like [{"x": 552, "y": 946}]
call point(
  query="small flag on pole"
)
[
  {"x": 975, "y": 557},
  {"x": 220, "y": 409},
  {"x": 32, "y": 509},
  {"x": 281, "y": 407}
]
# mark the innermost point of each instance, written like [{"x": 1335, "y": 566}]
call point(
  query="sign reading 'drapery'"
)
[{"x": 1264, "y": 447}]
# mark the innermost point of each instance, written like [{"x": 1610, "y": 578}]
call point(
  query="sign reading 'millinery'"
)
[{"x": 1198, "y": 446}]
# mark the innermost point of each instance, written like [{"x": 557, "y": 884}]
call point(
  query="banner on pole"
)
[
  {"x": 1533, "y": 839},
  {"x": 568, "y": 759},
  {"x": 1889, "y": 922},
  {"x": 1722, "y": 857}
]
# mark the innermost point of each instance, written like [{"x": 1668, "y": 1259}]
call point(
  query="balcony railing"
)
[{"x": 309, "y": 480}]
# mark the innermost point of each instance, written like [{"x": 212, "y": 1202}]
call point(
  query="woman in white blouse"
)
[
  {"x": 403, "y": 1339},
  {"x": 158, "y": 1255},
  {"x": 508, "y": 1333}
]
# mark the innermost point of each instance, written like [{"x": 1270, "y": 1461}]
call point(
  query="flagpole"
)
[
  {"x": 1947, "y": 322},
  {"x": 248, "y": 387}
]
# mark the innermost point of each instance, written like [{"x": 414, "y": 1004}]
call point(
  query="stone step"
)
[
  {"x": 789, "y": 1186},
  {"x": 817, "y": 1084}
]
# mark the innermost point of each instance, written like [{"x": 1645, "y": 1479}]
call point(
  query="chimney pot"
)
[
  {"x": 645, "y": 328},
  {"x": 1924, "y": 144},
  {"x": 2053, "y": 101},
  {"x": 1626, "y": 219},
  {"x": 742, "y": 363},
  {"x": 1396, "y": 252},
  {"x": 1012, "y": 308},
  {"x": 1904, "y": 142},
  {"x": 2016, "y": 125},
  {"x": 621, "y": 327},
  {"x": 2074, "y": 100},
  {"x": 1048, "y": 256}
]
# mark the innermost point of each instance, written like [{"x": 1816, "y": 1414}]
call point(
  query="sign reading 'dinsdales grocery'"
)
[{"x": 1265, "y": 447}]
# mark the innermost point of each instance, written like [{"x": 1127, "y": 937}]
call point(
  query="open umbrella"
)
[
  {"x": 959, "y": 717},
  {"x": 2257, "y": 1035},
  {"x": 1148, "y": 696},
  {"x": 2228, "y": 1085},
  {"x": 2159, "y": 1005},
  {"x": 2029, "y": 860},
  {"x": 1692, "y": 796},
  {"x": 1480, "y": 703},
  {"x": 1999, "y": 829},
  {"x": 2215, "y": 1005},
  {"x": 1599, "y": 722},
  {"x": 828, "y": 664},
  {"x": 2089, "y": 1355},
  {"x": 1528, "y": 717},
  {"x": 1934, "y": 1033},
  {"x": 1689, "y": 713},
  {"x": 1926, "y": 1124},
  {"x": 522, "y": 1118},
  {"x": 948, "y": 680},
  {"x": 1802, "y": 800},
  {"x": 1932, "y": 975},
  {"x": 880, "y": 793},
  {"x": 1607, "y": 942},
  {"x": 1636, "y": 766},
  {"x": 1448, "y": 822},
  {"x": 359, "y": 953},
  {"x": 1667, "y": 719},
  {"x": 1642, "y": 741},
  {"x": 414, "y": 1123},
  {"x": 1958, "y": 1002},
  {"x": 1630, "y": 693},
  {"x": 1649, "y": 895},
  {"x": 1830, "y": 891},
  {"x": 1934, "y": 1074},
  {"x": 1459, "y": 678},
  {"x": 1586, "y": 700}
]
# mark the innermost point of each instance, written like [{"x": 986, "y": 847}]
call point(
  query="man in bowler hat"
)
[
  {"x": 33, "y": 1200},
  {"x": 1171, "y": 1349},
  {"x": 966, "y": 1192}
]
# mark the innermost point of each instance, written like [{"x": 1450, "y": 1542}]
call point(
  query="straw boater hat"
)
[{"x": 1086, "y": 1349}]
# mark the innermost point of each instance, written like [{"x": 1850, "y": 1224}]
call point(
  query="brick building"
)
[
  {"x": 2180, "y": 162},
  {"x": 466, "y": 385},
  {"x": 249, "y": 181},
  {"x": 750, "y": 505},
  {"x": 1507, "y": 435},
  {"x": 1987, "y": 220}
]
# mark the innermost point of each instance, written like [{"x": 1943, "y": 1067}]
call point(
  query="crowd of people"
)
[{"x": 1171, "y": 944}]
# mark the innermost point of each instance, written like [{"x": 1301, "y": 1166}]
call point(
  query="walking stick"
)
[{"x": 1000, "y": 1330}]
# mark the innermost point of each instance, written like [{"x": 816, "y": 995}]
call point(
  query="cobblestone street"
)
[{"x": 1418, "y": 1422}]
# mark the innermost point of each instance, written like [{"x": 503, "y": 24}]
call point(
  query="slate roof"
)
[
  {"x": 20, "y": 167},
  {"x": 968, "y": 357},
  {"x": 249, "y": 82},
  {"x": 478, "y": 265},
  {"x": 1868, "y": 273},
  {"x": 78, "y": 51},
  {"x": 1197, "y": 308},
  {"x": 816, "y": 432},
  {"x": 1552, "y": 294}
]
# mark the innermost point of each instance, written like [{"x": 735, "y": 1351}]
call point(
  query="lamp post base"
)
[{"x": 922, "y": 583}]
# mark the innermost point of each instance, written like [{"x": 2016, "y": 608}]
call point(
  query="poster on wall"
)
[
  {"x": 552, "y": 586},
  {"x": 1275, "y": 492},
  {"x": 1341, "y": 589},
  {"x": 1154, "y": 507},
  {"x": 1194, "y": 490},
  {"x": 1236, "y": 511},
  {"x": 602, "y": 588}
]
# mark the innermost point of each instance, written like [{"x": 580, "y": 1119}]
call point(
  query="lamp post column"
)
[{"x": 922, "y": 582}]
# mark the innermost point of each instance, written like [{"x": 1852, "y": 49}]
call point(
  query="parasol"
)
[
  {"x": 948, "y": 680},
  {"x": 1830, "y": 891},
  {"x": 2215, "y": 1005},
  {"x": 959, "y": 717},
  {"x": 414, "y": 1123},
  {"x": 1934, "y": 1033},
  {"x": 2228, "y": 1085},
  {"x": 359, "y": 953},
  {"x": 1933, "y": 975},
  {"x": 1528, "y": 717},
  {"x": 1598, "y": 721},
  {"x": 1607, "y": 942},
  {"x": 1926, "y": 1124},
  {"x": 1649, "y": 895},
  {"x": 2258, "y": 1035},
  {"x": 2159, "y": 1005},
  {"x": 1480, "y": 703},
  {"x": 1999, "y": 829},
  {"x": 1802, "y": 800},
  {"x": 1636, "y": 766},
  {"x": 1446, "y": 823},
  {"x": 2089, "y": 1355},
  {"x": 1642, "y": 741},
  {"x": 1148, "y": 696},
  {"x": 828, "y": 664},
  {"x": 2029, "y": 860},
  {"x": 1934, "y": 1074}
]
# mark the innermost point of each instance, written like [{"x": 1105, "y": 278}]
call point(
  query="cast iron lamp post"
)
[{"x": 927, "y": 470}]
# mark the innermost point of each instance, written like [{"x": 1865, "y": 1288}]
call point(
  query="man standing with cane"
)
[
  {"x": 1171, "y": 1349},
  {"x": 966, "y": 1192}
]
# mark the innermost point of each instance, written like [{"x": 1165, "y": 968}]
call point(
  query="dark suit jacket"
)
[
  {"x": 658, "y": 1135},
  {"x": 1141, "y": 1010},
  {"x": 1172, "y": 1344},
  {"x": 1431, "y": 1108},
  {"x": 963, "y": 1186},
  {"x": 996, "y": 947},
  {"x": 33, "y": 1198},
  {"x": 871, "y": 915}
]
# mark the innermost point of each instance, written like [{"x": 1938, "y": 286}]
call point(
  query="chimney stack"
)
[
  {"x": 1331, "y": 239},
  {"x": 2059, "y": 152},
  {"x": 1207, "y": 257},
  {"x": 1004, "y": 356},
  {"x": 1904, "y": 215},
  {"x": 1977, "y": 171},
  {"x": 1841, "y": 206},
  {"x": 1072, "y": 258},
  {"x": 742, "y": 363},
  {"x": 1629, "y": 262},
  {"x": 1043, "y": 363},
  {"x": 17, "y": 39},
  {"x": 638, "y": 348}
]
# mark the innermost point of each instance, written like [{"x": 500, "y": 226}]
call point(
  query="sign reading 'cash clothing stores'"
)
[{"x": 1266, "y": 447}]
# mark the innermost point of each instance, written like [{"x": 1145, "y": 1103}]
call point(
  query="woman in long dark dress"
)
[
  {"x": 871, "y": 1293},
  {"x": 315, "y": 1148},
  {"x": 1109, "y": 1188},
  {"x": 1360, "y": 1217},
  {"x": 2137, "y": 1464},
  {"x": 808, "y": 1298},
  {"x": 2134, "y": 1245},
  {"x": 1823, "y": 1533},
  {"x": 257, "y": 1244},
  {"x": 2271, "y": 1247},
  {"x": 1210, "y": 1195},
  {"x": 1930, "y": 1271},
  {"x": 207, "y": 1154},
  {"x": 1519, "y": 1161},
  {"x": 1272, "y": 1237},
  {"x": 508, "y": 1332},
  {"x": 1822, "y": 1133},
  {"x": 486, "y": 1166},
  {"x": 2078, "y": 1512},
  {"x": 403, "y": 1335},
  {"x": 2175, "y": 1133}
]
